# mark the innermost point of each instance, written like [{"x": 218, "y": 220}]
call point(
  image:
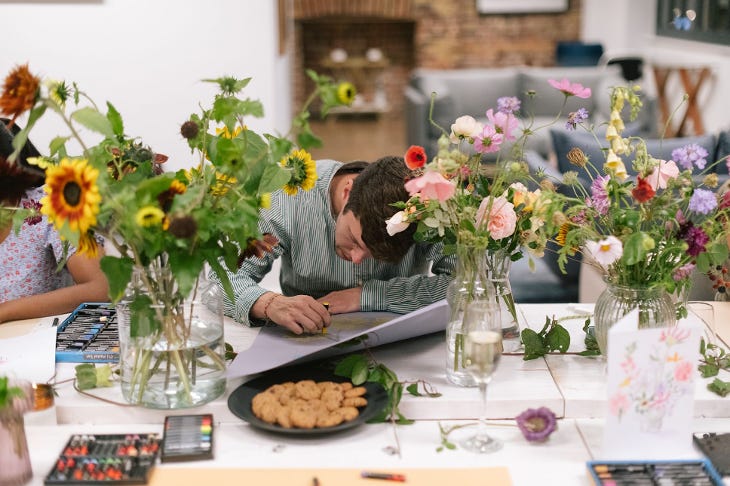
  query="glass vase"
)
[
  {"x": 172, "y": 351},
  {"x": 655, "y": 306},
  {"x": 499, "y": 263},
  {"x": 470, "y": 284}
]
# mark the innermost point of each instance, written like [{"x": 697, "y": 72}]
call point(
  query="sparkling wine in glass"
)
[{"x": 483, "y": 350}]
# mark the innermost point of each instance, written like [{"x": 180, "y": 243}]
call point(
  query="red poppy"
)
[
  {"x": 415, "y": 157},
  {"x": 643, "y": 190}
]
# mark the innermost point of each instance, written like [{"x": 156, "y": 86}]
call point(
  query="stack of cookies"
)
[{"x": 307, "y": 404}]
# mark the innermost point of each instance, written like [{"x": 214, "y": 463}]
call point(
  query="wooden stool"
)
[{"x": 692, "y": 79}]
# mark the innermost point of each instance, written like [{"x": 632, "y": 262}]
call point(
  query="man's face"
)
[{"x": 348, "y": 238}]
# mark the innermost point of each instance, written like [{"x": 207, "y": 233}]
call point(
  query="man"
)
[{"x": 335, "y": 249}]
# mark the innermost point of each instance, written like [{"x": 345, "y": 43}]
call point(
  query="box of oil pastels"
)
[
  {"x": 90, "y": 334},
  {"x": 105, "y": 459},
  {"x": 694, "y": 472}
]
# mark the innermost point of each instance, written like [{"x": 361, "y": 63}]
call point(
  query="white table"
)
[{"x": 572, "y": 386}]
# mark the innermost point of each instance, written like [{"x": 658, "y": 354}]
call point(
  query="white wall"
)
[
  {"x": 628, "y": 26},
  {"x": 148, "y": 56}
]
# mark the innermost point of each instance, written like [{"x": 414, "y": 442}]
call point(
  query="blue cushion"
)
[{"x": 723, "y": 151}]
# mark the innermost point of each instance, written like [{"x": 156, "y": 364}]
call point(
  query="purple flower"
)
[
  {"x": 695, "y": 237},
  {"x": 576, "y": 117},
  {"x": 599, "y": 195},
  {"x": 508, "y": 104},
  {"x": 34, "y": 219},
  {"x": 537, "y": 424},
  {"x": 702, "y": 201},
  {"x": 683, "y": 272},
  {"x": 690, "y": 155}
]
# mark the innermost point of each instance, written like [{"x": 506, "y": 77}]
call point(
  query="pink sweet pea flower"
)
[
  {"x": 431, "y": 185},
  {"x": 504, "y": 123},
  {"x": 501, "y": 220},
  {"x": 660, "y": 176},
  {"x": 683, "y": 371},
  {"x": 570, "y": 89},
  {"x": 488, "y": 141}
]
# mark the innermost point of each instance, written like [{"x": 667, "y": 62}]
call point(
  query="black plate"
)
[{"x": 239, "y": 402}]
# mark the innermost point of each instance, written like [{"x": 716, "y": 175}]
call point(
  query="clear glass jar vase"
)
[
  {"x": 498, "y": 266},
  {"x": 655, "y": 305},
  {"x": 470, "y": 284},
  {"x": 172, "y": 351}
]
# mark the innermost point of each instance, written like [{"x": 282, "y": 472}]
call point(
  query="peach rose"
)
[{"x": 501, "y": 220}]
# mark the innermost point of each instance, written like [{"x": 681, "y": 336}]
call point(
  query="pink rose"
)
[
  {"x": 431, "y": 185},
  {"x": 501, "y": 220}
]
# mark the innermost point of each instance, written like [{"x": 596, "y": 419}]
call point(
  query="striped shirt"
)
[{"x": 305, "y": 228}]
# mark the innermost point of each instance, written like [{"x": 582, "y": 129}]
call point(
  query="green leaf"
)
[
  {"x": 118, "y": 272},
  {"x": 708, "y": 370},
  {"x": 634, "y": 250},
  {"x": 308, "y": 140},
  {"x": 359, "y": 373},
  {"x": 345, "y": 366},
  {"x": 57, "y": 144},
  {"x": 85, "y": 376},
  {"x": 142, "y": 316},
  {"x": 94, "y": 121},
  {"x": 534, "y": 347},
  {"x": 558, "y": 338},
  {"x": 719, "y": 387},
  {"x": 103, "y": 376},
  {"x": 115, "y": 119},
  {"x": 413, "y": 390}
]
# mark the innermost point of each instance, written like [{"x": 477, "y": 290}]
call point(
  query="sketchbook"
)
[{"x": 277, "y": 346}]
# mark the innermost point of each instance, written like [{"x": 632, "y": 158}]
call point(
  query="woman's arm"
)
[{"x": 90, "y": 286}]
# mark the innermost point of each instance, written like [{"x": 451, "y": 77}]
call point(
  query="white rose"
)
[{"x": 396, "y": 223}]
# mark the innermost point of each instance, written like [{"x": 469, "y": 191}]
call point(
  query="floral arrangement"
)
[
  {"x": 651, "y": 391},
  {"x": 166, "y": 226},
  {"x": 650, "y": 230}
]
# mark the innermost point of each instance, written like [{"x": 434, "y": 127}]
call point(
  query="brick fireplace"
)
[{"x": 417, "y": 33}]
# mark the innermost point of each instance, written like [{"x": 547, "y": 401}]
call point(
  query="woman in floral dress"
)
[{"x": 31, "y": 284}]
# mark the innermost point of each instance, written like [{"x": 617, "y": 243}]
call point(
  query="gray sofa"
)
[{"x": 472, "y": 92}]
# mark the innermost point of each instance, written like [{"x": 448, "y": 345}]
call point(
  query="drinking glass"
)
[
  {"x": 706, "y": 313},
  {"x": 482, "y": 351}
]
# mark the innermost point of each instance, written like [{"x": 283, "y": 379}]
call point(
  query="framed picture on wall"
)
[{"x": 520, "y": 6}]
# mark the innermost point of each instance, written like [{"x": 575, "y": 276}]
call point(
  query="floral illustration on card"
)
[{"x": 653, "y": 384}]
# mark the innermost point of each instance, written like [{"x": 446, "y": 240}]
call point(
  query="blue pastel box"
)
[
  {"x": 689, "y": 471},
  {"x": 90, "y": 334}
]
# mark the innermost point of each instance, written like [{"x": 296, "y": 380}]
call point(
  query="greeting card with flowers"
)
[{"x": 650, "y": 387}]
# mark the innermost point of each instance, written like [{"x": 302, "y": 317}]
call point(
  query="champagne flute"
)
[{"x": 482, "y": 351}]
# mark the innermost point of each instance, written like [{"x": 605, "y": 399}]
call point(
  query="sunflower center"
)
[{"x": 72, "y": 193}]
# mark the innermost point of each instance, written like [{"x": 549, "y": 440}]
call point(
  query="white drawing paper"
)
[{"x": 275, "y": 346}]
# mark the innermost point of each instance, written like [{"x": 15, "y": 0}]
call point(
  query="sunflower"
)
[
  {"x": 225, "y": 133},
  {"x": 57, "y": 91},
  {"x": 88, "y": 245},
  {"x": 149, "y": 216},
  {"x": 19, "y": 92},
  {"x": 346, "y": 93},
  {"x": 303, "y": 171},
  {"x": 72, "y": 196}
]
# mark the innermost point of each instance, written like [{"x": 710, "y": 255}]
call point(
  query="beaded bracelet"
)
[{"x": 266, "y": 307}]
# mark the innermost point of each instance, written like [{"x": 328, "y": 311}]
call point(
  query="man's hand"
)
[
  {"x": 299, "y": 314},
  {"x": 343, "y": 301}
]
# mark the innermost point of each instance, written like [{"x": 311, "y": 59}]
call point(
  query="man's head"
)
[{"x": 361, "y": 224}]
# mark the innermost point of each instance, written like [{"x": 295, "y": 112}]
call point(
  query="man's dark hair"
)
[
  {"x": 19, "y": 176},
  {"x": 378, "y": 186}
]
